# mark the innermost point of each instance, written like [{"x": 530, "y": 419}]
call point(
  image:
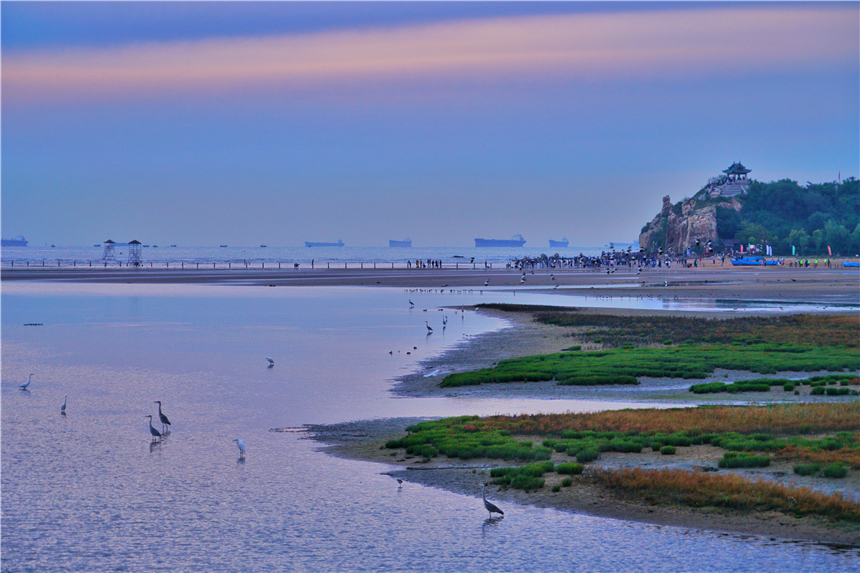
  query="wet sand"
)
[{"x": 827, "y": 286}]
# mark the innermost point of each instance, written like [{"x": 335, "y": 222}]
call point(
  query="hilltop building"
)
[{"x": 734, "y": 182}]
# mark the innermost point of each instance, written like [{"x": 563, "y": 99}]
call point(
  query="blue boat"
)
[
  {"x": 755, "y": 262},
  {"x": 851, "y": 264}
]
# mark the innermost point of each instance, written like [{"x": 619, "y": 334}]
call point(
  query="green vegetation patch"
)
[
  {"x": 765, "y": 384},
  {"x": 624, "y": 366}
]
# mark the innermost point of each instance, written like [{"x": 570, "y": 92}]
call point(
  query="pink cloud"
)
[{"x": 722, "y": 41}]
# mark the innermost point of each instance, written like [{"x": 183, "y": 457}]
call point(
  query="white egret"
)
[
  {"x": 241, "y": 446},
  {"x": 164, "y": 420},
  {"x": 63, "y": 407},
  {"x": 489, "y": 505},
  {"x": 27, "y": 383},
  {"x": 271, "y": 362},
  {"x": 429, "y": 329},
  {"x": 152, "y": 431}
]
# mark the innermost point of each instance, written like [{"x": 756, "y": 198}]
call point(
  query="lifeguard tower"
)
[
  {"x": 109, "y": 254},
  {"x": 135, "y": 256}
]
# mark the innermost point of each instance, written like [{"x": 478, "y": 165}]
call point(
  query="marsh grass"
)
[
  {"x": 800, "y": 329},
  {"x": 818, "y": 384},
  {"x": 780, "y": 430},
  {"x": 733, "y": 491},
  {"x": 625, "y": 365}
]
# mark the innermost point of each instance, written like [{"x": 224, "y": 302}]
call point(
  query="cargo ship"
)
[
  {"x": 515, "y": 241},
  {"x": 404, "y": 243},
  {"x": 18, "y": 241},
  {"x": 562, "y": 243},
  {"x": 339, "y": 243}
]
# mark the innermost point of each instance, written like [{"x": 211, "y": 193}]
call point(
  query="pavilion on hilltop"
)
[{"x": 737, "y": 182}]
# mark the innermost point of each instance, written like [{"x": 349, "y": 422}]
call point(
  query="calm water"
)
[
  {"x": 88, "y": 492},
  {"x": 303, "y": 255}
]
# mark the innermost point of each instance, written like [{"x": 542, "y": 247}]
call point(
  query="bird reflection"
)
[{"x": 153, "y": 445}]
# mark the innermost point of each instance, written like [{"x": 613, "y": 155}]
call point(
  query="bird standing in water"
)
[
  {"x": 241, "y": 446},
  {"x": 152, "y": 431},
  {"x": 164, "y": 421},
  {"x": 27, "y": 383},
  {"x": 63, "y": 407},
  {"x": 489, "y": 505}
]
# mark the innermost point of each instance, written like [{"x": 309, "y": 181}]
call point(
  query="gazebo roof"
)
[
  {"x": 109, "y": 242},
  {"x": 736, "y": 168},
  {"x": 135, "y": 242}
]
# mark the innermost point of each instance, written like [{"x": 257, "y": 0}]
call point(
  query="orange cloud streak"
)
[{"x": 720, "y": 41}]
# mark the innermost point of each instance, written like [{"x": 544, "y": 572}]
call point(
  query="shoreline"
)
[
  {"x": 786, "y": 284},
  {"x": 362, "y": 440}
]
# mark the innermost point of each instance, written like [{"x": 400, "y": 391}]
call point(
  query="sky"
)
[{"x": 241, "y": 123}]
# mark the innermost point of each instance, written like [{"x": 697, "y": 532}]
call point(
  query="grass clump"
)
[
  {"x": 836, "y": 471},
  {"x": 807, "y": 469},
  {"x": 667, "y": 450},
  {"x": 743, "y": 460},
  {"x": 567, "y": 482},
  {"x": 569, "y": 468}
]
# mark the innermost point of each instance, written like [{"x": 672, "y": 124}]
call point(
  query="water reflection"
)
[{"x": 89, "y": 493}]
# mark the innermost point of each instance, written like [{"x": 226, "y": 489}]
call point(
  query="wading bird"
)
[
  {"x": 241, "y": 446},
  {"x": 429, "y": 329},
  {"x": 399, "y": 483},
  {"x": 487, "y": 282},
  {"x": 271, "y": 362},
  {"x": 489, "y": 505},
  {"x": 27, "y": 383},
  {"x": 411, "y": 304},
  {"x": 153, "y": 432},
  {"x": 164, "y": 421},
  {"x": 63, "y": 407}
]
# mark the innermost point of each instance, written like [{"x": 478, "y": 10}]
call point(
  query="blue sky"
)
[{"x": 207, "y": 123}]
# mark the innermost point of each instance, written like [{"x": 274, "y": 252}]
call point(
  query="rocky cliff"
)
[{"x": 678, "y": 227}]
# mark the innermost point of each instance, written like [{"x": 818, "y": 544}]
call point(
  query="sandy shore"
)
[{"x": 827, "y": 286}]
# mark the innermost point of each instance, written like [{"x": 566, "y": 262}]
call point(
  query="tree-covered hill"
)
[{"x": 783, "y": 213}]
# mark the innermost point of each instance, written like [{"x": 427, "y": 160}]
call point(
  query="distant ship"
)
[
  {"x": 222, "y": 246},
  {"x": 339, "y": 243},
  {"x": 18, "y": 241},
  {"x": 404, "y": 243},
  {"x": 562, "y": 243},
  {"x": 515, "y": 241},
  {"x": 262, "y": 246}
]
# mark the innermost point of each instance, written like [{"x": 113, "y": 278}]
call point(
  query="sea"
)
[
  {"x": 163, "y": 255},
  {"x": 90, "y": 490}
]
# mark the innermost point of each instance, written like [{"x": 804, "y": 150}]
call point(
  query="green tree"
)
[
  {"x": 799, "y": 239},
  {"x": 854, "y": 241},
  {"x": 836, "y": 236},
  {"x": 818, "y": 239}
]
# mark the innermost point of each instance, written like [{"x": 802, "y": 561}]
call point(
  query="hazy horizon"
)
[{"x": 278, "y": 123}]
